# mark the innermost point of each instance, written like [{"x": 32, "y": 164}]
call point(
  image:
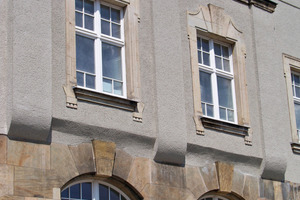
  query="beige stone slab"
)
[
  {"x": 6, "y": 180},
  {"x": 168, "y": 175},
  {"x": 3, "y": 148},
  {"x": 209, "y": 174},
  {"x": 238, "y": 182},
  {"x": 62, "y": 162},
  {"x": 104, "y": 157},
  {"x": 30, "y": 182},
  {"x": 140, "y": 173},
  {"x": 83, "y": 157},
  {"x": 194, "y": 181},
  {"x": 123, "y": 164},
  {"x": 11, "y": 198},
  {"x": 28, "y": 154},
  {"x": 225, "y": 176},
  {"x": 277, "y": 190},
  {"x": 251, "y": 188}
]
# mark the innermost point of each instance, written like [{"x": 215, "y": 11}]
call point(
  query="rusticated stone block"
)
[
  {"x": 238, "y": 182},
  {"x": 83, "y": 157},
  {"x": 104, "y": 157},
  {"x": 194, "y": 181},
  {"x": 140, "y": 172},
  {"x": 3, "y": 148},
  {"x": 30, "y": 182},
  {"x": 62, "y": 162},
  {"x": 251, "y": 188},
  {"x": 163, "y": 192},
  {"x": 12, "y": 198},
  {"x": 225, "y": 176},
  {"x": 28, "y": 154},
  {"x": 277, "y": 190},
  {"x": 168, "y": 175},
  {"x": 267, "y": 189},
  {"x": 6, "y": 180},
  {"x": 209, "y": 174},
  {"x": 123, "y": 164}
]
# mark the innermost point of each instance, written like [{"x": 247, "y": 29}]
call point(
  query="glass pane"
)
[
  {"x": 89, "y": 7},
  {"x": 105, "y": 27},
  {"x": 90, "y": 81},
  {"x": 223, "y": 113},
  {"x": 107, "y": 85},
  {"x": 79, "y": 77},
  {"x": 114, "y": 195},
  {"x": 218, "y": 62},
  {"x": 103, "y": 192},
  {"x": 65, "y": 193},
  {"x": 226, "y": 65},
  {"x": 85, "y": 54},
  {"x": 230, "y": 115},
  {"x": 115, "y": 30},
  {"x": 297, "y": 89},
  {"x": 115, "y": 15},
  {"x": 87, "y": 191},
  {"x": 199, "y": 57},
  {"x": 297, "y": 112},
  {"x": 296, "y": 80},
  {"x": 205, "y": 85},
  {"x": 224, "y": 92},
  {"x": 198, "y": 43},
  {"x": 210, "y": 110},
  {"x": 203, "y": 108},
  {"x": 78, "y": 19},
  {"x": 105, "y": 12},
  {"x": 225, "y": 52},
  {"x": 206, "y": 59},
  {"x": 205, "y": 45},
  {"x": 123, "y": 198},
  {"x": 75, "y": 191},
  {"x": 118, "y": 88},
  {"x": 89, "y": 22},
  {"x": 217, "y": 49},
  {"x": 111, "y": 61},
  {"x": 79, "y": 5}
]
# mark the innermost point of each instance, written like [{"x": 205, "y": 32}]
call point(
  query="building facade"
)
[{"x": 149, "y": 99}]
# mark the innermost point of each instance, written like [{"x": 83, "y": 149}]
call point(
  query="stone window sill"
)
[{"x": 295, "y": 147}]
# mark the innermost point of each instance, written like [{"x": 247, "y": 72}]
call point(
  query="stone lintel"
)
[{"x": 225, "y": 176}]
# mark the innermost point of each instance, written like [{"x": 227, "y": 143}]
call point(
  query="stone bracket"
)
[{"x": 138, "y": 114}]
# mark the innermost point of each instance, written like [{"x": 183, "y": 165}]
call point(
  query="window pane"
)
[
  {"x": 107, "y": 85},
  {"x": 222, "y": 113},
  {"x": 115, "y": 15},
  {"x": 217, "y": 49},
  {"x": 199, "y": 57},
  {"x": 226, "y": 65},
  {"x": 89, "y": 7},
  {"x": 230, "y": 115},
  {"x": 210, "y": 110},
  {"x": 79, "y": 5},
  {"x": 78, "y": 19},
  {"x": 80, "y": 79},
  {"x": 297, "y": 89},
  {"x": 203, "y": 108},
  {"x": 105, "y": 27},
  {"x": 115, "y": 30},
  {"x": 87, "y": 191},
  {"x": 205, "y": 45},
  {"x": 65, "y": 193},
  {"x": 224, "y": 92},
  {"x": 297, "y": 112},
  {"x": 89, "y": 22},
  {"x": 118, "y": 88},
  {"x": 225, "y": 52},
  {"x": 85, "y": 54},
  {"x": 218, "y": 62},
  {"x": 111, "y": 61},
  {"x": 105, "y": 12},
  {"x": 206, "y": 59},
  {"x": 75, "y": 191},
  {"x": 90, "y": 81},
  {"x": 205, "y": 85},
  {"x": 103, "y": 192},
  {"x": 198, "y": 43},
  {"x": 123, "y": 198},
  {"x": 114, "y": 195}
]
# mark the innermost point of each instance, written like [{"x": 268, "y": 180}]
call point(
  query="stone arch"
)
[{"x": 226, "y": 195}]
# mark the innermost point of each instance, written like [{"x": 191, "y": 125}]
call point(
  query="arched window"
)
[{"x": 88, "y": 190}]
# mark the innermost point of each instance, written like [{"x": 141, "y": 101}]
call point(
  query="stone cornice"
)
[{"x": 266, "y": 5}]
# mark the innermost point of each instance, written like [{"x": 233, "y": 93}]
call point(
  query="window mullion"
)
[
  {"x": 98, "y": 54},
  {"x": 214, "y": 79},
  {"x": 95, "y": 190},
  {"x": 124, "y": 86}
]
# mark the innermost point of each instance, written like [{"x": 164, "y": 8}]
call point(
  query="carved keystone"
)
[
  {"x": 104, "y": 157},
  {"x": 225, "y": 176}
]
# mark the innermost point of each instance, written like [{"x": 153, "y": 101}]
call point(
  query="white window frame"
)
[
  {"x": 95, "y": 188},
  {"x": 98, "y": 38},
  {"x": 295, "y": 99},
  {"x": 218, "y": 73}
]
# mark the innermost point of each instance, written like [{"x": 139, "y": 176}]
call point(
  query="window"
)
[
  {"x": 296, "y": 97},
  {"x": 95, "y": 190},
  {"x": 100, "y": 47},
  {"x": 213, "y": 198},
  {"x": 216, "y": 80}
]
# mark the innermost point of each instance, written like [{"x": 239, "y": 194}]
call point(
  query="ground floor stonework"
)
[{"x": 35, "y": 171}]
